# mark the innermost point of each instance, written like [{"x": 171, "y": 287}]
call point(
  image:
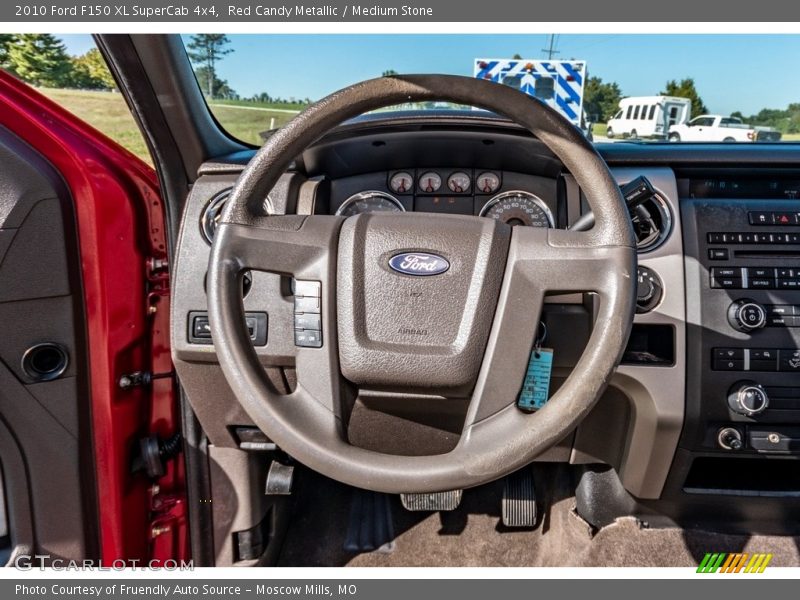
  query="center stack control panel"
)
[{"x": 742, "y": 239}]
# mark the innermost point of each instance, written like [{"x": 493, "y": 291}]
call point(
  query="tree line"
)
[
  {"x": 42, "y": 60},
  {"x": 601, "y": 102}
]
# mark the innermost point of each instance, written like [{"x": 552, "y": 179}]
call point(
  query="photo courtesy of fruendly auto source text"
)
[{"x": 399, "y": 299}]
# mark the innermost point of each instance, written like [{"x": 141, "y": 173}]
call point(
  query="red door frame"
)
[{"x": 122, "y": 235}]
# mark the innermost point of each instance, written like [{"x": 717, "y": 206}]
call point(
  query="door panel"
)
[
  {"x": 102, "y": 295},
  {"x": 43, "y": 404}
]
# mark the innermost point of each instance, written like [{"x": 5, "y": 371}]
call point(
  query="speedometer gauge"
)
[
  {"x": 518, "y": 208},
  {"x": 372, "y": 201}
]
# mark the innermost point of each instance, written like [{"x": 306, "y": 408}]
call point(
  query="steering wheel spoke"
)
[
  {"x": 301, "y": 247},
  {"x": 541, "y": 262},
  {"x": 292, "y": 245}
]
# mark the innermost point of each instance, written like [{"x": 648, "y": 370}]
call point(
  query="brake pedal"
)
[
  {"x": 519, "y": 500},
  {"x": 434, "y": 502},
  {"x": 369, "y": 528}
]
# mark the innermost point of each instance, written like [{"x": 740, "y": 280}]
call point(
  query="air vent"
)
[
  {"x": 652, "y": 223},
  {"x": 211, "y": 214},
  {"x": 209, "y": 219}
]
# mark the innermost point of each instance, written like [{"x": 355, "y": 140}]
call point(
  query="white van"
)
[{"x": 648, "y": 116}]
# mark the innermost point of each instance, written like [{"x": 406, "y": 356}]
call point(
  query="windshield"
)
[{"x": 631, "y": 88}]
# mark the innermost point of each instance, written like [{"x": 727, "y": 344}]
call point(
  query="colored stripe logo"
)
[{"x": 721, "y": 562}]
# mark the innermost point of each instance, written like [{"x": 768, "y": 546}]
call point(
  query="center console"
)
[{"x": 742, "y": 244}]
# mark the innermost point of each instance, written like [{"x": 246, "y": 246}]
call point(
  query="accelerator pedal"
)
[
  {"x": 519, "y": 500},
  {"x": 432, "y": 502},
  {"x": 369, "y": 528}
]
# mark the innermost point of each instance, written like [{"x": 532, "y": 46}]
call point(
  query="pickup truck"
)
[{"x": 716, "y": 128}]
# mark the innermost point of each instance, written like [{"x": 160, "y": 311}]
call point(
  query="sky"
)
[{"x": 732, "y": 72}]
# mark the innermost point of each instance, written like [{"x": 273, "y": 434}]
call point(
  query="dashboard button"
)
[
  {"x": 726, "y": 283},
  {"x": 306, "y": 338},
  {"x": 726, "y": 272},
  {"x": 780, "y": 310},
  {"x": 788, "y": 284},
  {"x": 728, "y": 353},
  {"x": 307, "y": 321},
  {"x": 780, "y": 321},
  {"x": 760, "y": 218},
  {"x": 784, "y": 218},
  {"x": 764, "y": 354},
  {"x": 718, "y": 254},
  {"x": 310, "y": 289},
  {"x": 764, "y": 359},
  {"x": 787, "y": 273},
  {"x": 716, "y": 238},
  {"x": 728, "y": 365},
  {"x": 789, "y": 360},
  {"x": 761, "y": 284},
  {"x": 760, "y": 272},
  {"x": 306, "y": 305}
]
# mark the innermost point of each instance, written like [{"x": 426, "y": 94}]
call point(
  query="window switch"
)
[{"x": 201, "y": 328}]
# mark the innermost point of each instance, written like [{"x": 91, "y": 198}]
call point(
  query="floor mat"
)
[{"x": 473, "y": 535}]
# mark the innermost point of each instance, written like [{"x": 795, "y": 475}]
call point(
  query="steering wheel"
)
[{"x": 466, "y": 332}]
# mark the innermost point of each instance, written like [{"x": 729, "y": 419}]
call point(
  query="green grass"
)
[
  {"x": 599, "y": 129},
  {"x": 105, "y": 111},
  {"x": 247, "y": 124},
  {"x": 108, "y": 112}
]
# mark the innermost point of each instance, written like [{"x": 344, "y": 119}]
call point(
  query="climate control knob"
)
[
  {"x": 748, "y": 398},
  {"x": 747, "y": 315}
]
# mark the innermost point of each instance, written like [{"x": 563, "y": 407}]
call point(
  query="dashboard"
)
[{"x": 705, "y": 407}]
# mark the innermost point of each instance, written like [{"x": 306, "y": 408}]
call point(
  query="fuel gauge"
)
[{"x": 401, "y": 182}]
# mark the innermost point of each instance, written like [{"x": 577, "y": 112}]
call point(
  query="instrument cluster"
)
[{"x": 480, "y": 192}]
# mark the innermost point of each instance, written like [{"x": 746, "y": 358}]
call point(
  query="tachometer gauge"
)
[
  {"x": 430, "y": 182},
  {"x": 369, "y": 202},
  {"x": 487, "y": 183},
  {"x": 459, "y": 182},
  {"x": 518, "y": 208},
  {"x": 402, "y": 182}
]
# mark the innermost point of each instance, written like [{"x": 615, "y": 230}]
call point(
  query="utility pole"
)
[{"x": 551, "y": 51}]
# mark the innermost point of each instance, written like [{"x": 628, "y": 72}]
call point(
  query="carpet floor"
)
[{"x": 473, "y": 535}]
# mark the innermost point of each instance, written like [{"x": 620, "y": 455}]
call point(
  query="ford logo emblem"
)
[{"x": 418, "y": 263}]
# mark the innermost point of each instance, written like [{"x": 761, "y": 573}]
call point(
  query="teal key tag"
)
[{"x": 536, "y": 385}]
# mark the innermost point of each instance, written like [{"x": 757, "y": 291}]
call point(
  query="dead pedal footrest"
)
[
  {"x": 432, "y": 502},
  {"x": 519, "y": 500},
  {"x": 370, "y": 526}
]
